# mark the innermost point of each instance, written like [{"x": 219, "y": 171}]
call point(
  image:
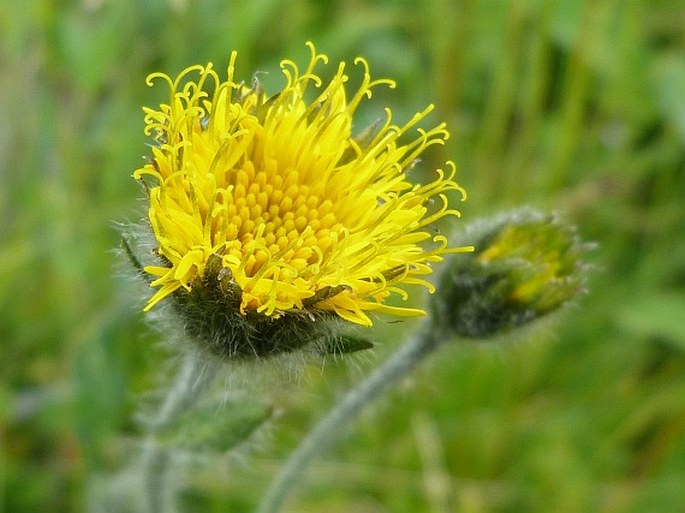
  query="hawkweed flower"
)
[
  {"x": 274, "y": 223},
  {"x": 526, "y": 265}
]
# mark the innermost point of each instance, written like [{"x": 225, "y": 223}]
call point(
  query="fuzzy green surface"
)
[{"x": 569, "y": 105}]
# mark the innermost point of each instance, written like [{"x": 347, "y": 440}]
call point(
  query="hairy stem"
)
[
  {"x": 397, "y": 366},
  {"x": 159, "y": 487}
]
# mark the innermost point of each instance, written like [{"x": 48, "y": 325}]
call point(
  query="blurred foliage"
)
[{"x": 573, "y": 105}]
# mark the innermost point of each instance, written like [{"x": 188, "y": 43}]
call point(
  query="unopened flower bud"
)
[{"x": 525, "y": 266}]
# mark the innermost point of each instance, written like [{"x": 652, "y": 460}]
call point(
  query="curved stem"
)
[
  {"x": 159, "y": 489},
  {"x": 395, "y": 367}
]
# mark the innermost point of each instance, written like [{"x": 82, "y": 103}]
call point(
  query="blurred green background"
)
[{"x": 572, "y": 105}]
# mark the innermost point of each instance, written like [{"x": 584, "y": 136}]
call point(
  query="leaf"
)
[
  {"x": 217, "y": 427},
  {"x": 347, "y": 344}
]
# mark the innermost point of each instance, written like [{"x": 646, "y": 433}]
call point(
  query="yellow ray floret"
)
[{"x": 291, "y": 202}]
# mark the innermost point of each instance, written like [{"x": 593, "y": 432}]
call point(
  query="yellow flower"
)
[{"x": 277, "y": 198}]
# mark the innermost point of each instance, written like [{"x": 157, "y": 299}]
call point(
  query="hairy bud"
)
[{"x": 525, "y": 266}]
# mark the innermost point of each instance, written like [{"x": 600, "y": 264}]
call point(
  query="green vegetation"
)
[{"x": 569, "y": 105}]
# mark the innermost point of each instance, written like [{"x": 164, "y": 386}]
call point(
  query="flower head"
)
[{"x": 271, "y": 206}]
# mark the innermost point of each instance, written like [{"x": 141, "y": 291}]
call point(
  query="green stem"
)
[
  {"x": 159, "y": 487},
  {"x": 397, "y": 366}
]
